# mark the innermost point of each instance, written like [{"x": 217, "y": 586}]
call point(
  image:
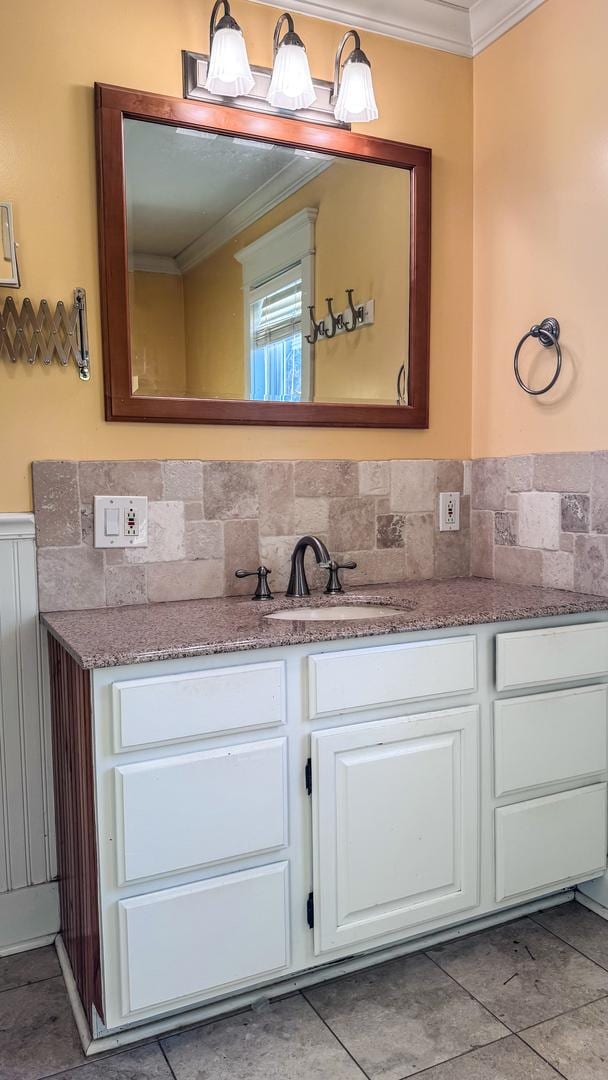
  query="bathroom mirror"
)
[{"x": 260, "y": 269}]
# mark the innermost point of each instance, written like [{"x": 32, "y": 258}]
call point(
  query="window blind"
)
[{"x": 279, "y": 315}]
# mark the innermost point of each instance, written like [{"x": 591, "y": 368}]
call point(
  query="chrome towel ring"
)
[{"x": 548, "y": 334}]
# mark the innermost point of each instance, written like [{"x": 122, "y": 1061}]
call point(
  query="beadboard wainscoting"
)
[
  {"x": 29, "y": 911},
  {"x": 207, "y": 519}
]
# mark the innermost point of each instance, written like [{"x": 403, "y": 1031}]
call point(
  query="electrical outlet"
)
[
  {"x": 449, "y": 511},
  {"x": 121, "y": 521}
]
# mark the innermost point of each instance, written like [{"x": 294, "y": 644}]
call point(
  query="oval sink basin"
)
[{"x": 336, "y": 612}]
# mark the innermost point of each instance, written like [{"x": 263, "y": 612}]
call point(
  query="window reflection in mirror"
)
[{"x": 231, "y": 242}]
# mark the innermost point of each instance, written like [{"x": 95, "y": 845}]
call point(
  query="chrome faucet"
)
[{"x": 298, "y": 585}]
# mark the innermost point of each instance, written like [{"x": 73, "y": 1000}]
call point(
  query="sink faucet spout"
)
[{"x": 298, "y": 585}]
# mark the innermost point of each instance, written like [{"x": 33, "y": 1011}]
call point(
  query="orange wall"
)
[
  {"x": 541, "y": 221},
  {"x": 47, "y": 169}
]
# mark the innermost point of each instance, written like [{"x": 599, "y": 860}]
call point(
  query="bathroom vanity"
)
[{"x": 248, "y": 804}]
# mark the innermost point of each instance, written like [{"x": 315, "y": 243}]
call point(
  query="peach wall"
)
[
  {"x": 541, "y": 220},
  {"x": 47, "y": 169}
]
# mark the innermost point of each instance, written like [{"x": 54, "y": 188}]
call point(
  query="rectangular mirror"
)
[{"x": 260, "y": 269}]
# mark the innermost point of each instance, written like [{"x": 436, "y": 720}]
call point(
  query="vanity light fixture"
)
[
  {"x": 353, "y": 96},
  {"x": 229, "y": 74},
  {"x": 291, "y": 84}
]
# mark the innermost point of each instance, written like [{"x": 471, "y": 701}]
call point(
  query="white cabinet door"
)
[{"x": 395, "y": 825}]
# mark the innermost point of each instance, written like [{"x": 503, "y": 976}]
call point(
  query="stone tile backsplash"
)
[
  {"x": 208, "y": 518},
  {"x": 542, "y": 519},
  {"x": 535, "y": 519}
]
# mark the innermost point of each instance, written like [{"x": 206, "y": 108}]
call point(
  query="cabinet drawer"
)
[
  {"x": 549, "y": 738},
  {"x": 551, "y": 841},
  {"x": 198, "y": 939},
  {"x": 556, "y": 654},
  {"x": 197, "y": 703},
  {"x": 198, "y": 809},
  {"x": 391, "y": 674}
]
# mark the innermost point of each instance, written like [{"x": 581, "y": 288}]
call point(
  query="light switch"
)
[
  {"x": 121, "y": 521},
  {"x": 112, "y": 521}
]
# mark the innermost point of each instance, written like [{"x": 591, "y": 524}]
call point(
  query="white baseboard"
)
[
  {"x": 29, "y": 918},
  {"x": 586, "y": 901}
]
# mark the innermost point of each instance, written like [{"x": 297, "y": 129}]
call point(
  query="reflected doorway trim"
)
[{"x": 113, "y": 105}]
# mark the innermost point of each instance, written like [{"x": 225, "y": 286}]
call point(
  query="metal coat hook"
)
[
  {"x": 318, "y": 328},
  {"x": 356, "y": 312},
  {"x": 336, "y": 320}
]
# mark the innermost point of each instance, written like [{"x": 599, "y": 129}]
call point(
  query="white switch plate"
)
[
  {"x": 449, "y": 511},
  {"x": 121, "y": 521}
]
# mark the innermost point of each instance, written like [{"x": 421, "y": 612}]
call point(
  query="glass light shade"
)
[
  {"x": 356, "y": 102},
  {"x": 229, "y": 73},
  {"x": 291, "y": 85}
]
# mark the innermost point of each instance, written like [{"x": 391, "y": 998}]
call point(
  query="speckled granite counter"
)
[{"x": 131, "y": 635}]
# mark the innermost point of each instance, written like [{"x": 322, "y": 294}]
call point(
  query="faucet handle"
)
[
  {"x": 334, "y": 585},
  {"x": 262, "y": 591}
]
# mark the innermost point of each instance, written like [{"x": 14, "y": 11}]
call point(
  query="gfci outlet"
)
[
  {"x": 121, "y": 521},
  {"x": 449, "y": 511}
]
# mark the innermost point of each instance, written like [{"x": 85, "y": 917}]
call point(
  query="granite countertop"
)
[{"x": 107, "y": 637}]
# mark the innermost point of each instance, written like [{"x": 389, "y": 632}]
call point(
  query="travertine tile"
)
[
  {"x": 505, "y": 528},
  {"x": 403, "y": 1017},
  {"x": 488, "y": 483},
  {"x": 166, "y": 535},
  {"x": 275, "y": 553},
  {"x": 283, "y": 1041},
  {"x": 390, "y": 530},
  {"x": 119, "y": 478},
  {"x": 193, "y": 511},
  {"x": 204, "y": 539},
  {"x": 38, "y": 1035},
  {"x": 520, "y": 566},
  {"x": 374, "y": 477},
  {"x": 577, "y": 1044},
  {"x": 558, "y": 570},
  {"x": 575, "y": 515},
  {"x": 519, "y": 473},
  {"x": 562, "y": 472},
  {"x": 579, "y": 927},
  {"x": 412, "y": 486},
  {"x": 276, "y": 512},
  {"x": 126, "y": 585},
  {"x": 352, "y": 524},
  {"x": 539, "y": 520},
  {"x": 70, "y": 578},
  {"x": 566, "y": 542},
  {"x": 508, "y": 1059},
  {"x": 182, "y": 479},
  {"x": 326, "y": 478},
  {"x": 311, "y": 515},
  {"x": 230, "y": 490},
  {"x": 56, "y": 503},
  {"x": 482, "y": 543},
  {"x": 241, "y": 552},
  {"x": 420, "y": 546},
  {"x": 599, "y": 493},
  {"x": 185, "y": 580},
  {"x": 591, "y": 564},
  {"x": 452, "y": 554},
  {"x": 466, "y": 482},
  {"x": 373, "y": 567},
  {"x": 522, "y": 972},
  {"x": 449, "y": 475},
  {"x": 23, "y": 968}
]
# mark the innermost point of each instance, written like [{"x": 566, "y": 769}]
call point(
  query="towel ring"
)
[{"x": 548, "y": 335}]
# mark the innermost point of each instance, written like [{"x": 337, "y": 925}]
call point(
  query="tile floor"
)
[{"x": 523, "y": 1001}]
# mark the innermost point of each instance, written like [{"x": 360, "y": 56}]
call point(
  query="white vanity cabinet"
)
[{"x": 260, "y": 815}]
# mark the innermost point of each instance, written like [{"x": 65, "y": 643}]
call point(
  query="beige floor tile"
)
[
  {"x": 28, "y": 967},
  {"x": 403, "y": 1017},
  {"x": 577, "y": 1043},
  {"x": 580, "y": 928},
  {"x": 508, "y": 1059},
  {"x": 284, "y": 1041},
  {"x": 522, "y": 973},
  {"x": 38, "y": 1036}
]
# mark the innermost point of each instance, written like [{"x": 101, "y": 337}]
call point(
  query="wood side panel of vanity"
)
[{"x": 75, "y": 815}]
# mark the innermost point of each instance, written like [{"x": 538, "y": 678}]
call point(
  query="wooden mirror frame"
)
[{"x": 114, "y": 104}]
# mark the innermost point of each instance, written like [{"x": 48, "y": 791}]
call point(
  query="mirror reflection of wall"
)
[{"x": 231, "y": 241}]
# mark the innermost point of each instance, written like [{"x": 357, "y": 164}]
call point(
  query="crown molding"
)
[
  {"x": 463, "y": 27},
  {"x": 17, "y": 527}
]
